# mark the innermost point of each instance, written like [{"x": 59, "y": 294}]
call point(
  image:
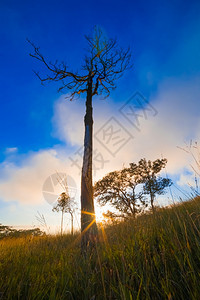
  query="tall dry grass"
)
[{"x": 152, "y": 257}]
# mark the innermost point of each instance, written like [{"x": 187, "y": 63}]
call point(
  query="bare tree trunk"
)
[
  {"x": 151, "y": 195},
  {"x": 88, "y": 219},
  {"x": 62, "y": 223},
  {"x": 72, "y": 223},
  {"x": 134, "y": 204},
  {"x": 152, "y": 202}
]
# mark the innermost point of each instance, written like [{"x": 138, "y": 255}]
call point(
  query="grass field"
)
[{"x": 154, "y": 257}]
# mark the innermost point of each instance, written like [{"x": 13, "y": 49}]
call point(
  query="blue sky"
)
[{"x": 164, "y": 37}]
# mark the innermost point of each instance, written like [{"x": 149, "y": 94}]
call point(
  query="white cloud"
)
[
  {"x": 11, "y": 150},
  {"x": 178, "y": 106},
  {"x": 68, "y": 120},
  {"x": 24, "y": 183},
  {"x": 187, "y": 179}
]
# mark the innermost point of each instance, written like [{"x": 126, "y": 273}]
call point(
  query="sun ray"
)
[
  {"x": 104, "y": 235},
  {"x": 88, "y": 213},
  {"x": 82, "y": 233},
  {"x": 86, "y": 229}
]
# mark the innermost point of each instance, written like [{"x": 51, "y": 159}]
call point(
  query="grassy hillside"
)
[{"x": 153, "y": 257}]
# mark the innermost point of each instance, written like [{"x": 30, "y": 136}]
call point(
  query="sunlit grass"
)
[{"x": 153, "y": 257}]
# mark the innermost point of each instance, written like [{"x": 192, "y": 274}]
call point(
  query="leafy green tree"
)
[
  {"x": 118, "y": 188},
  {"x": 104, "y": 63},
  {"x": 153, "y": 183}
]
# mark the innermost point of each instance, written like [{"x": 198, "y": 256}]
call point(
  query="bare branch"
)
[{"x": 105, "y": 64}]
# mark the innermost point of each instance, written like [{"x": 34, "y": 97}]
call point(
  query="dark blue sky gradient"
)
[{"x": 164, "y": 37}]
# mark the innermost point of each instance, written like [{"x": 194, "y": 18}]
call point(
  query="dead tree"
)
[{"x": 104, "y": 63}]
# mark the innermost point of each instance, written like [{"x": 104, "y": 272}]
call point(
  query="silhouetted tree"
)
[
  {"x": 104, "y": 63},
  {"x": 119, "y": 189},
  {"x": 5, "y": 230},
  {"x": 65, "y": 205},
  {"x": 8, "y": 231},
  {"x": 153, "y": 183}
]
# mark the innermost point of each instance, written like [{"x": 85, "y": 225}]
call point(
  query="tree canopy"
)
[
  {"x": 127, "y": 189},
  {"x": 153, "y": 183},
  {"x": 119, "y": 189},
  {"x": 66, "y": 205},
  {"x": 8, "y": 231}
]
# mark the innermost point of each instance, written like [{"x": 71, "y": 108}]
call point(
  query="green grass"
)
[{"x": 153, "y": 257}]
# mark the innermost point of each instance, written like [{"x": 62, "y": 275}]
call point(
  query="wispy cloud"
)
[{"x": 11, "y": 150}]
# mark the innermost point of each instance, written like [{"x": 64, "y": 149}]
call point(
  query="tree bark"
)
[
  {"x": 72, "y": 224},
  {"x": 151, "y": 194},
  {"x": 62, "y": 222},
  {"x": 88, "y": 219},
  {"x": 152, "y": 201}
]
